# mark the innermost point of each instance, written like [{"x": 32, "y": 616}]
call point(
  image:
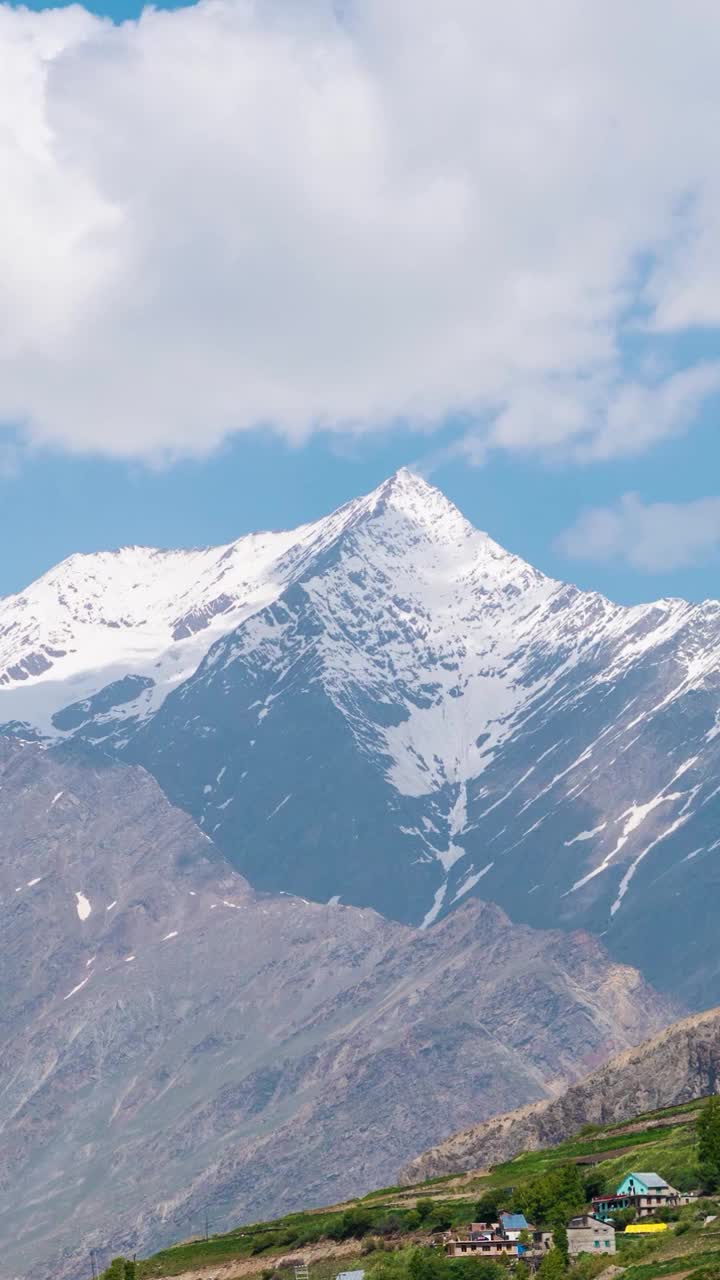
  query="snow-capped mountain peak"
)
[
  {"x": 385, "y": 705},
  {"x": 95, "y": 619},
  {"x": 411, "y": 495}
]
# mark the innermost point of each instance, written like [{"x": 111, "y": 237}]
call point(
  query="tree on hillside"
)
[
  {"x": 116, "y": 1270},
  {"x": 622, "y": 1218},
  {"x": 425, "y": 1264},
  {"x": 486, "y": 1209},
  {"x": 475, "y": 1269},
  {"x": 354, "y": 1223},
  {"x": 595, "y": 1185},
  {"x": 441, "y": 1221},
  {"x": 555, "y": 1195},
  {"x": 390, "y": 1266},
  {"x": 560, "y": 1239},
  {"x": 708, "y": 1143},
  {"x": 552, "y": 1266}
]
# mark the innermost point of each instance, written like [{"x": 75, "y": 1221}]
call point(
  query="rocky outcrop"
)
[
  {"x": 679, "y": 1064},
  {"x": 171, "y": 1040}
]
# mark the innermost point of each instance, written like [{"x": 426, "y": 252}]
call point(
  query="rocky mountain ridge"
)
[
  {"x": 387, "y": 708},
  {"x": 679, "y": 1064},
  {"x": 172, "y": 1040}
]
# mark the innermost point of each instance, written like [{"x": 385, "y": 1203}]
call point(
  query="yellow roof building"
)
[{"x": 645, "y": 1228}]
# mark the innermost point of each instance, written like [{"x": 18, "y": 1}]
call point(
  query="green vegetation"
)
[
  {"x": 552, "y": 1197},
  {"x": 697, "y": 1266},
  {"x": 553, "y": 1266},
  {"x": 120, "y": 1269},
  {"x": 708, "y": 1146},
  {"x": 432, "y": 1264},
  {"x": 382, "y": 1231}
]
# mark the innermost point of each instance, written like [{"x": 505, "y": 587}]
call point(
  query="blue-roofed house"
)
[{"x": 511, "y": 1224}]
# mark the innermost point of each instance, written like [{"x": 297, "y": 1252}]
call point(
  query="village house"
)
[
  {"x": 468, "y": 1244},
  {"x": 511, "y": 1225},
  {"x": 489, "y": 1239},
  {"x": 588, "y": 1234},
  {"x": 643, "y": 1192}
]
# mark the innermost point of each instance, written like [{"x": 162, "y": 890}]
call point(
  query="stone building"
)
[{"x": 588, "y": 1234}]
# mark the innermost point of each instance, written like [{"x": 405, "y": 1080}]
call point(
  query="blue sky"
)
[
  {"x": 55, "y": 506},
  {"x": 118, "y": 10},
  {"x": 253, "y": 241}
]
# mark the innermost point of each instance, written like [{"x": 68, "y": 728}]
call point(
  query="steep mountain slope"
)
[
  {"x": 679, "y": 1064},
  {"x": 386, "y": 707},
  {"x": 170, "y": 1040}
]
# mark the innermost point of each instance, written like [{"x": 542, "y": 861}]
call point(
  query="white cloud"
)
[
  {"x": 656, "y": 537},
  {"x": 259, "y": 212}
]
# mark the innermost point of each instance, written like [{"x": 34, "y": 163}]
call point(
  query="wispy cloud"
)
[
  {"x": 656, "y": 537},
  {"x": 313, "y": 217}
]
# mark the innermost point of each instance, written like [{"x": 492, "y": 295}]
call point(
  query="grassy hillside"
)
[{"x": 362, "y": 1232}]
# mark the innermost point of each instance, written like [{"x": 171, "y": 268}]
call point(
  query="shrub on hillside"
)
[
  {"x": 587, "y": 1266},
  {"x": 353, "y": 1225}
]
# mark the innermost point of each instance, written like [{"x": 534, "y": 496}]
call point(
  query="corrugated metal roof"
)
[{"x": 514, "y": 1221}]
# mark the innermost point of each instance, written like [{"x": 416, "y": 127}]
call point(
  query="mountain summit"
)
[{"x": 387, "y": 708}]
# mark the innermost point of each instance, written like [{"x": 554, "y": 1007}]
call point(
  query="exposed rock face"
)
[
  {"x": 679, "y": 1064},
  {"x": 171, "y": 1039},
  {"x": 387, "y": 707}
]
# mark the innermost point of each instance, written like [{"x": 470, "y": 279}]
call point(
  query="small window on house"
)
[{"x": 596, "y": 1243}]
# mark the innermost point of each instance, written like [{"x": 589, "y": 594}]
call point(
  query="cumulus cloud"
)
[
  {"x": 656, "y": 537},
  {"x": 323, "y": 216}
]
